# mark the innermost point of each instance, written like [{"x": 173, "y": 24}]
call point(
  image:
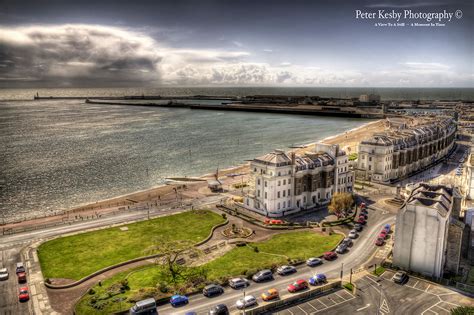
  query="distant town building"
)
[
  {"x": 397, "y": 153},
  {"x": 428, "y": 232},
  {"x": 287, "y": 183},
  {"x": 369, "y": 98}
]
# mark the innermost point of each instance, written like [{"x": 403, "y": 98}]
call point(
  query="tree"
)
[
  {"x": 340, "y": 203},
  {"x": 462, "y": 310},
  {"x": 172, "y": 252}
]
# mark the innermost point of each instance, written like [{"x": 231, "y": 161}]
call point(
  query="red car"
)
[
  {"x": 298, "y": 285},
  {"x": 383, "y": 234},
  {"x": 379, "y": 241},
  {"x": 361, "y": 221},
  {"x": 362, "y": 205},
  {"x": 21, "y": 277},
  {"x": 268, "y": 221},
  {"x": 23, "y": 295},
  {"x": 330, "y": 255}
]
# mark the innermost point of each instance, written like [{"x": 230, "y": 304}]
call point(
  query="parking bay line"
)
[{"x": 301, "y": 309}]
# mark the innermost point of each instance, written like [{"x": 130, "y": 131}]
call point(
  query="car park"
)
[
  {"x": 314, "y": 261},
  {"x": 4, "y": 274},
  {"x": 247, "y": 301},
  {"x": 263, "y": 275},
  {"x": 286, "y": 270},
  {"x": 147, "y": 306},
  {"x": 317, "y": 279},
  {"x": 212, "y": 290},
  {"x": 341, "y": 249},
  {"x": 23, "y": 294},
  {"x": 219, "y": 309},
  {"x": 400, "y": 277},
  {"x": 238, "y": 283},
  {"x": 298, "y": 285},
  {"x": 330, "y": 255},
  {"x": 379, "y": 241},
  {"x": 177, "y": 300},
  {"x": 20, "y": 267},
  {"x": 353, "y": 234},
  {"x": 271, "y": 294}
]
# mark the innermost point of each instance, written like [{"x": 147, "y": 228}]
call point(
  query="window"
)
[
  {"x": 284, "y": 204},
  {"x": 284, "y": 182},
  {"x": 370, "y": 167},
  {"x": 370, "y": 159},
  {"x": 278, "y": 206},
  {"x": 247, "y": 202},
  {"x": 289, "y": 203},
  {"x": 265, "y": 195},
  {"x": 278, "y": 194},
  {"x": 289, "y": 192},
  {"x": 279, "y": 183},
  {"x": 258, "y": 181},
  {"x": 255, "y": 169},
  {"x": 265, "y": 183},
  {"x": 279, "y": 173},
  {"x": 258, "y": 193},
  {"x": 284, "y": 193},
  {"x": 289, "y": 181}
]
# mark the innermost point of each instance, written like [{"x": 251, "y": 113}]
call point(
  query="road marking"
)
[
  {"x": 302, "y": 309},
  {"x": 449, "y": 311},
  {"x": 416, "y": 283},
  {"x": 384, "y": 307},
  {"x": 312, "y": 306},
  {"x": 363, "y": 308},
  {"x": 340, "y": 296},
  {"x": 290, "y": 312},
  {"x": 323, "y": 304}
]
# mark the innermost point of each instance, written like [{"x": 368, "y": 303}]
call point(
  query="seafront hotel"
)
[
  {"x": 401, "y": 151},
  {"x": 283, "y": 183}
]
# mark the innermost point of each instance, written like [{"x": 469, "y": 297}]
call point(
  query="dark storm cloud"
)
[{"x": 77, "y": 55}]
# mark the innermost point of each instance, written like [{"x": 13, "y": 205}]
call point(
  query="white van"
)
[{"x": 147, "y": 306}]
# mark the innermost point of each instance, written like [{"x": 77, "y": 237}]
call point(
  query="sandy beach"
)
[{"x": 167, "y": 194}]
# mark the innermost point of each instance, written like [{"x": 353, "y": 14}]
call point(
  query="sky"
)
[{"x": 233, "y": 43}]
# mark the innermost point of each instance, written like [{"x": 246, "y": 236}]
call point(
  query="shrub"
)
[
  {"x": 255, "y": 249},
  {"x": 91, "y": 291},
  {"x": 144, "y": 293},
  {"x": 224, "y": 216}
]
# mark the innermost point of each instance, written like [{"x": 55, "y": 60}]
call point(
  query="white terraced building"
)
[
  {"x": 395, "y": 154},
  {"x": 287, "y": 183}
]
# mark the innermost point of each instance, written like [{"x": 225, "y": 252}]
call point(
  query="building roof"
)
[
  {"x": 277, "y": 157},
  {"x": 438, "y": 197}
]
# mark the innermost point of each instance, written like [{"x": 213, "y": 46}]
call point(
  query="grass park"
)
[
  {"x": 76, "y": 256},
  {"x": 121, "y": 291}
]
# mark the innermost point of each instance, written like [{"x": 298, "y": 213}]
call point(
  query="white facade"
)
[
  {"x": 285, "y": 184},
  {"x": 396, "y": 154},
  {"x": 421, "y": 236},
  {"x": 470, "y": 177}
]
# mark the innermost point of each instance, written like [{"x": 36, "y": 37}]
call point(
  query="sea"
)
[{"x": 58, "y": 154}]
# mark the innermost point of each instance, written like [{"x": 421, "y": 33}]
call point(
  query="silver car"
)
[
  {"x": 245, "y": 302},
  {"x": 353, "y": 234},
  {"x": 3, "y": 274},
  {"x": 285, "y": 270}
]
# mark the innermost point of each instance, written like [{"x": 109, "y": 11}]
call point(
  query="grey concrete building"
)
[{"x": 428, "y": 232}]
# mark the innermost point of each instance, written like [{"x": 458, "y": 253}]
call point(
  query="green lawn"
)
[
  {"x": 142, "y": 282},
  {"x": 76, "y": 256}
]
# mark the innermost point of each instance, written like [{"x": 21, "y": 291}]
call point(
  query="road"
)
[
  {"x": 11, "y": 245},
  {"x": 358, "y": 255}
]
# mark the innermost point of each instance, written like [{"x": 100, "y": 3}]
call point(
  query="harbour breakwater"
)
[{"x": 261, "y": 108}]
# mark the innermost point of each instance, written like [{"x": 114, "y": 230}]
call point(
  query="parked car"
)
[
  {"x": 298, "y": 285},
  {"x": 23, "y": 294},
  {"x": 219, "y": 309},
  {"x": 380, "y": 241},
  {"x": 387, "y": 228},
  {"x": 361, "y": 221},
  {"x": 330, "y": 255},
  {"x": 271, "y": 294},
  {"x": 364, "y": 215},
  {"x": 347, "y": 241},
  {"x": 363, "y": 205},
  {"x": 20, "y": 267},
  {"x": 212, "y": 290},
  {"x": 317, "y": 279},
  {"x": 147, "y": 306},
  {"x": 383, "y": 234},
  {"x": 353, "y": 234},
  {"x": 177, "y": 300},
  {"x": 273, "y": 221},
  {"x": 400, "y": 277},
  {"x": 238, "y": 283},
  {"x": 245, "y": 302},
  {"x": 286, "y": 270},
  {"x": 4, "y": 274},
  {"x": 358, "y": 227},
  {"x": 21, "y": 277},
  {"x": 314, "y": 261},
  {"x": 341, "y": 249},
  {"x": 263, "y": 275}
]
